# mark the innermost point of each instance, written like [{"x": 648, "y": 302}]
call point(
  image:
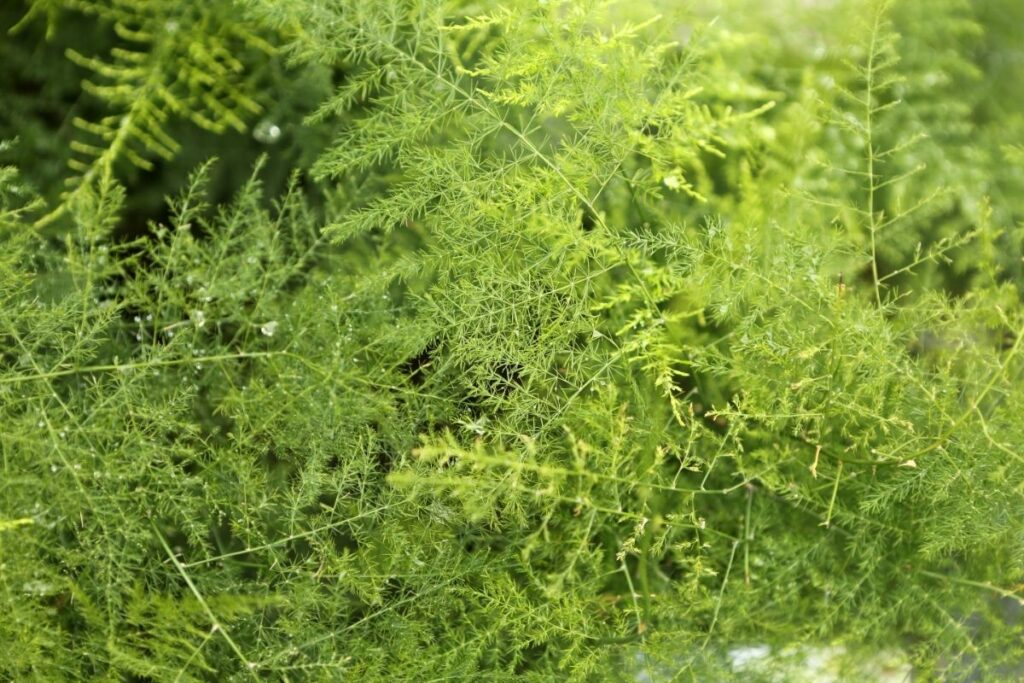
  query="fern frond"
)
[{"x": 177, "y": 61}]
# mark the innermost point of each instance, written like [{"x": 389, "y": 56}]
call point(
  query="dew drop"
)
[{"x": 267, "y": 132}]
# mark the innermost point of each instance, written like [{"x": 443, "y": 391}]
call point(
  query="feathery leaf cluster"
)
[{"x": 540, "y": 340}]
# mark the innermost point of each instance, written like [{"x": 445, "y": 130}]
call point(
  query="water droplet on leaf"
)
[{"x": 267, "y": 132}]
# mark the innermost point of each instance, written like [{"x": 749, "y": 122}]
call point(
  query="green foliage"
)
[
  {"x": 173, "y": 59},
  {"x": 567, "y": 340}
]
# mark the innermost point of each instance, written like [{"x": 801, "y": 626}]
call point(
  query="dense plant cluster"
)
[{"x": 543, "y": 339}]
